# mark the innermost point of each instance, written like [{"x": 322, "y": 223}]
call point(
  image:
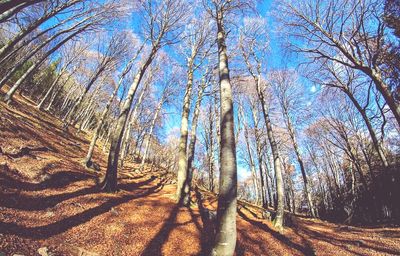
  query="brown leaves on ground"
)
[{"x": 48, "y": 200}]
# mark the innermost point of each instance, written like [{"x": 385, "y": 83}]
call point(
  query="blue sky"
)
[{"x": 275, "y": 61}]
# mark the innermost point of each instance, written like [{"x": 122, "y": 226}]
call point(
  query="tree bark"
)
[
  {"x": 182, "y": 196},
  {"x": 192, "y": 144},
  {"x": 225, "y": 239},
  {"x": 110, "y": 181}
]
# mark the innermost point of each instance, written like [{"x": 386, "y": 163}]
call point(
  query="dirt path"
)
[{"x": 47, "y": 199}]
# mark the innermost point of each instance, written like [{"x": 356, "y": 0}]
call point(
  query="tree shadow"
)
[
  {"x": 307, "y": 250},
  {"x": 56, "y": 180},
  {"x": 208, "y": 228},
  {"x": 341, "y": 243},
  {"x": 55, "y": 228},
  {"x": 154, "y": 247},
  {"x": 33, "y": 203}
]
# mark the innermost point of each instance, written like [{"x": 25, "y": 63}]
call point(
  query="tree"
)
[
  {"x": 225, "y": 239},
  {"x": 253, "y": 49},
  {"x": 196, "y": 44},
  {"x": 163, "y": 19},
  {"x": 349, "y": 33},
  {"x": 88, "y": 158},
  {"x": 285, "y": 85}
]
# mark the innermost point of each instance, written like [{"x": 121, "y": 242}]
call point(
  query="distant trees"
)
[
  {"x": 352, "y": 36},
  {"x": 196, "y": 42},
  {"x": 163, "y": 19},
  {"x": 253, "y": 49}
]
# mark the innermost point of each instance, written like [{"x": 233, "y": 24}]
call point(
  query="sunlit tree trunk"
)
[
  {"x": 225, "y": 240},
  {"x": 182, "y": 196},
  {"x": 278, "y": 221},
  {"x": 192, "y": 144}
]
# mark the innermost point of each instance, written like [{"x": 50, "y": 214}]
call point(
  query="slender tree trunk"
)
[
  {"x": 78, "y": 102},
  {"x": 225, "y": 240},
  {"x": 50, "y": 90},
  {"x": 34, "y": 25},
  {"x": 182, "y": 196},
  {"x": 150, "y": 134},
  {"x": 278, "y": 221},
  {"x": 57, "y": 92},
  {"x": 133, "y": 119},
  {"x": 35, "y": 50},
  {"x": 192, "y": 144},
  {"x": 292, "y": 135},
  {"x": 375, "y": 141},
  {"x": 11, "y": 92},
  {"x": 259, "y": 158},
  {"x": 252, "y": 165},
  {"x": 110, "y": 181}
]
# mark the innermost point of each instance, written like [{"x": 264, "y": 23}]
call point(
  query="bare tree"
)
[
  {"x": 346, "y": 32},
  {"x": 225, "y": 239},
  {"x": 163, "y": 19},
  {"x": 284, "y": 83},
  {"x": 196, "y": 44},
  {"x": 254, "y": 49}
]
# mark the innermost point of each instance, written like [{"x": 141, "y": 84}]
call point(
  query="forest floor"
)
[{"x": 51, "y": 205}]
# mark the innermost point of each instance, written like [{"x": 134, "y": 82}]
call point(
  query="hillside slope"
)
[{"x": 49, "y": 202}]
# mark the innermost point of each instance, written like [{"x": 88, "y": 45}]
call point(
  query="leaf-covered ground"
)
[{"x": 49, "y": 202}]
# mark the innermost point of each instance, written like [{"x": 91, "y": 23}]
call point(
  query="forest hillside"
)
[
  {"x": 206, "y": 127},
  {"x": 50, "y": 204}
]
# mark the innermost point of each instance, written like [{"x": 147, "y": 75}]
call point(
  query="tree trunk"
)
[
  {"x": 375, "y": 141},
  {"x": 260, "y": 159},
  {"x": 34, "y": 25},
  {"x": 50, "y": 90},
  {"x": 110, "y": 181},
  {"x": 225, "y": 239},
  {"x": 35, "y": 50},
  {"x": 278, "y": 221},
  {"x": 292, "y": 135},
  {"x": 182, "y": 196},
  {"x": 192, "y": 144},
  {"x": 131, "y": 123},
  {"x": 11, "y": 92},
  {"x": 153, "y": 123}
]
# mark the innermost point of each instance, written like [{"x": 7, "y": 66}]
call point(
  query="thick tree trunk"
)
[{"x": 225, "y": 239}]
